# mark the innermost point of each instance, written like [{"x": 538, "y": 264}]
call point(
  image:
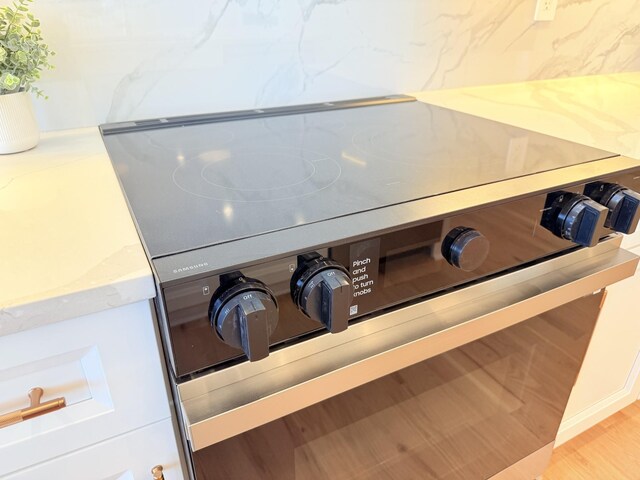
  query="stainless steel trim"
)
[
  {"x": 229, "y": 402},
  {"x": 185, "y": 120},
  {"x": 265, "y": 247},
  {"x": 530, "y": 467}
]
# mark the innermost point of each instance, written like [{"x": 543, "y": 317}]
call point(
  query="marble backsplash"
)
[{"x": 130, "y": 59}]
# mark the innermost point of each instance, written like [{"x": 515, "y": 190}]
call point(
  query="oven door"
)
[{"x": 467, "y": 385}]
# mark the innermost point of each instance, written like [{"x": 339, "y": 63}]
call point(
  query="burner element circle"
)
[{"x": 253, "y": 175}]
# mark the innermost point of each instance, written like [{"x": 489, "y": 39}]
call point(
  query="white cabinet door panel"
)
[
  {"x": 127, "y": 457},
  {"x": 608, "y": 375},
  {"x": 107, "y": 366},
  {"x": 631, "y": 241}
]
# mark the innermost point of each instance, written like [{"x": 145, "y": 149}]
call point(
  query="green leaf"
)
[
  {"x": 23, "y": 53},
  {"x": 9, "y": 81}
]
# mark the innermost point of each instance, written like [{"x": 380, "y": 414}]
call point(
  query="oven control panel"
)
[
  {"x": 245, "y": 313},
  {"x": 580, "y": 217},
  {"x": 465, "y": 248},
  {"x": 321, "y": 288},
  {"x": 574, "y": 217},
  {"x": 623, "y": 205}
]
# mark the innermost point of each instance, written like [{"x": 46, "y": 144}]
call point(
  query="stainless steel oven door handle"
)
[{"x": 229, "y": 402}]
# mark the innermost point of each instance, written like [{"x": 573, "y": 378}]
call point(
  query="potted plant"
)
[{"x": 23, "y": 55}]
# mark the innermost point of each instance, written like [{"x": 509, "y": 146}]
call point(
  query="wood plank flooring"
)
[{"x": 608, "y": 451}]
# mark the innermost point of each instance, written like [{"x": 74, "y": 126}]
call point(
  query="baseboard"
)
[{"x": 606, "y": 407}]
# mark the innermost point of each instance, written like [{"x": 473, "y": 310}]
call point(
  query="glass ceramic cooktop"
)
[{"x": 191, "y": 186}]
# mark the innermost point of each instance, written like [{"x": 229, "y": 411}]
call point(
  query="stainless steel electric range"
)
[{"x": 372, "y": 289}]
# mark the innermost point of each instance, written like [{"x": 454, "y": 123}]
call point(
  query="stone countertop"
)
[
  {"x": 601, "y": 111},
  {"x": 69, "y": 246}
]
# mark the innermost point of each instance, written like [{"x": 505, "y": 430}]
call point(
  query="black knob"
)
[
  {"x": 244, "y": 313},
  {"x": 623, "y": 205},
  {"x": 574, "y": 217},
  {"x": 321, "y": 288},
  {"x": 465, "y": 248}
]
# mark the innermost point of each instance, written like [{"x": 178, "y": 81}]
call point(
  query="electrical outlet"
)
[{"x": 545, "y": 10}]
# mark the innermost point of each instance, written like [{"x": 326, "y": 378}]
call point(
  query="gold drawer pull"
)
[
  {"x": 34, "y": 409},
  {"x": 157, "y": 472}
]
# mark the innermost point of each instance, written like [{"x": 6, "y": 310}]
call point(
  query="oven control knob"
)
[
  {"x": 574, "y": 217},
  {"x": 623, "y": 205},
  {"x": 465, "y": 248},
  {"x": 244, "y": 313},
  {"x": 321, "y": 288}
]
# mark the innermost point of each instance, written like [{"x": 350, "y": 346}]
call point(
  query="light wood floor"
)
[{"x": 608, "y": 451}]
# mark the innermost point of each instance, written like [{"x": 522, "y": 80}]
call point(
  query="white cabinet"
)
[
  {"x": 108, "y": 367},
  {"x": 631, "y": 241},
  {"x": 610, "y": 376},
  {"x": 127, "y": 457}
]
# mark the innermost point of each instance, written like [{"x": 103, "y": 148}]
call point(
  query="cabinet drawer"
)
[
  {"x": 127, "y": 457},
  {"x": 106, "y": 365}
]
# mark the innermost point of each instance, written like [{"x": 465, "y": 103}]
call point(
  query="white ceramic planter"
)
[{"x": 18, "y": 126}]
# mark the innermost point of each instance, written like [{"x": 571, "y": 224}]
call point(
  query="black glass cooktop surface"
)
[{"x": 196, "y": 185}]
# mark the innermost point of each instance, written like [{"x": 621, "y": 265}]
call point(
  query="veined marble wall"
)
[{"x": 131, "y": 59}]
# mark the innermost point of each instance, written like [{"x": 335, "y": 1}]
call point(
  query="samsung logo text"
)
[{"x": 190, "y": 267}]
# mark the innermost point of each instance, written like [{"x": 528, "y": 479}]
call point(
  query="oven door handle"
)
[{"x": 231, "y": 401}]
